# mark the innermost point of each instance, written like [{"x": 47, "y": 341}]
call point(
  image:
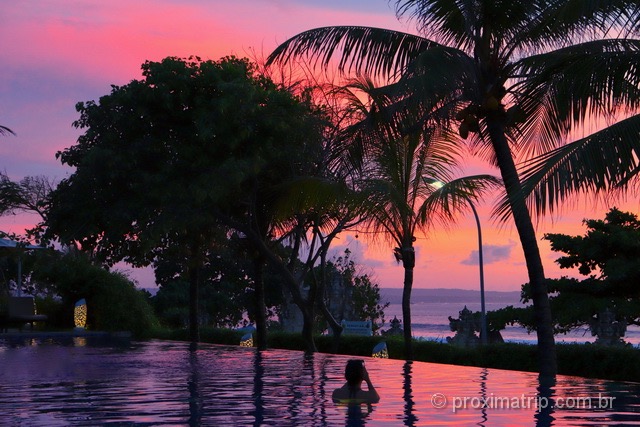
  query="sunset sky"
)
[{"x": 56, "y": 53}]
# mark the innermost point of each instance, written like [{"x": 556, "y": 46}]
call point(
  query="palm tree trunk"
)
[
  {"x": 408, "y": 262},
  {"x": 547, "y": 361}
]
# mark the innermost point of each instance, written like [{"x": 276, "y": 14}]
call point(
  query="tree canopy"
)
[
  {"x": 158, "y": 154},
  {"x": 164, "y": 158},
  {"x": 608, "y": 256}
]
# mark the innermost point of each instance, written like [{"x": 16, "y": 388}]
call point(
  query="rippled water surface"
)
[{"x": 45, "y": 383}]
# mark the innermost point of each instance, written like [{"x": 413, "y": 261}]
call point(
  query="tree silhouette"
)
[{"x": 513, "y": 75}]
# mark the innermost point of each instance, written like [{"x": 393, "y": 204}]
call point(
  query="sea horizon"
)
[{"x": 431, "y": 308}]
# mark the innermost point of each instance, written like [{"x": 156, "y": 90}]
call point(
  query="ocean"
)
[{"x": 431, "y": 308}]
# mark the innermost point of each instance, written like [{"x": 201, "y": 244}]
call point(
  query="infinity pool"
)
[{"x": 80, "y": 383}]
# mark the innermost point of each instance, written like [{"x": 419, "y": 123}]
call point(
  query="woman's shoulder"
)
[{"x": 342, "y": 395}]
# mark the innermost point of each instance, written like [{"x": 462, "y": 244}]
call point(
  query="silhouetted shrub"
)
[{"x": 113, "y": 302}]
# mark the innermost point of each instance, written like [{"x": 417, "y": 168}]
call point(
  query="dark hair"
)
[{"x": 353, "y": 373}]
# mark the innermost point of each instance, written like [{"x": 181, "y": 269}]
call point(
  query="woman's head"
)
[{"x": 354, "y": 372}]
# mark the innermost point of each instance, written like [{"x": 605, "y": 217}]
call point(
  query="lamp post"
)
[{"x": 483, "y": 313}]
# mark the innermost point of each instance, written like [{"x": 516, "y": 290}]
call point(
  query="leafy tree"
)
[
  {"x": 608, "y": 255},
  {"x": 517, "y": 76},
  {"x": 360, "y": 297},
  {"x": 165, "y": 160},
  {"x": 222, "y": 304},
  {"x": 226, "y": 291},
  {"x": 9, "y": 194},
  {"x": 366, "y": 301},
  {"x": 300, "y": 201},
  {"x": 324, "y": 206}
]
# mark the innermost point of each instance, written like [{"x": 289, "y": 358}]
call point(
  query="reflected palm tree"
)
[
  {"x": 544, "y": 412},
  {"x": 410, "y": 419}
]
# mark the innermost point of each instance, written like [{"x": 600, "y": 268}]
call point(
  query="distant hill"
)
[{"x": 442, "y": 295}]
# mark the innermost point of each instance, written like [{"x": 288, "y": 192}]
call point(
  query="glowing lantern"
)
[
  {"x": 80, "y": 314},
  {"x": 380, "y": 351},
  {"x": 246, "y": 340}
]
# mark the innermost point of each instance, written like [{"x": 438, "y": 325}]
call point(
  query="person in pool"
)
[{"x": 351, "y": 392}]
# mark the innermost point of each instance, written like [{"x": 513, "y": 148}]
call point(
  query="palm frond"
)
[
  {"x": 437, "y": 82},
  {"x": 562, "y": 89},
  {"x": 390, "y": 127},
  {"x": 448, "y": 198},
  {"x": 553, "y": 24},
  {"x": 604, "y": 161},
  {"x": 6, "y": 131},
  {"x": 460, "y": 23},
  {"x": 365, "y": 50},
  {"x": 395, "y": 185},
  {"x": 449, "y": 21}
]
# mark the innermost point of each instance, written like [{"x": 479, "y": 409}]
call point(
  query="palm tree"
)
[
  {"x": 511, "y": 74},
  {"x": 399, "y": 160}
]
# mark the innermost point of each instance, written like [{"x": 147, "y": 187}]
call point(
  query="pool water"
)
[{"x": 81, "y": 383}]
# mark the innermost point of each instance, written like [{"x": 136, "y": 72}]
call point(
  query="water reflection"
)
[
  {"x": 545, "y": 403},
  {"x": 357, "y": 414},
  {"x": 317, "y": 364},
  {"x": 484, "y": 374},
  {"x": 410, "y": 418},
  {"x": 168, "y": 383},
  {"x": 195, "y": 400},
  {"x": 258, "y": 387}
]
